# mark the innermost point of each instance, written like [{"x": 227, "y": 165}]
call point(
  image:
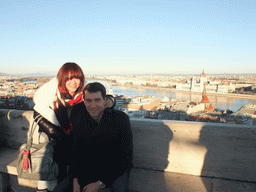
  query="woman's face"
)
[{"x": 72, "y": 85}]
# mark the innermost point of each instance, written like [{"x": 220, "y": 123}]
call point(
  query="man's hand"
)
[
  {"x": 76, "y": 186},
  {"x": 92, "y": 187}
]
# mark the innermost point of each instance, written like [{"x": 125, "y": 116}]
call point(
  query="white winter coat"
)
[{"x": 44, "y": 100}]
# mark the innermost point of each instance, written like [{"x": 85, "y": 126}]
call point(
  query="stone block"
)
[
  {"x": 151, "y": 181},
  {"x": 220, "y": 185},
  {"x": 22, "y": 185}
]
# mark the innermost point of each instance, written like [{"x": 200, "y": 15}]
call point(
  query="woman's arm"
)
[
  {"x": 44, "y": 101},
  {"x": 54, "y": 132}
]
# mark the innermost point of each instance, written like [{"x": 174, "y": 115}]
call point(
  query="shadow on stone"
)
[{"x": 151, "y": 151}]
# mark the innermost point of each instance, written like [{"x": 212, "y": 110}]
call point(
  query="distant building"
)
[
  {"x": 139, "y": 109},
  {"x": 120, "y": 101},
  {"x": 166, "y": 99},
  {"x": 207, "y": 105},
  {"x": 17, "y": 102},
  {"x": 211, "y": 87}
]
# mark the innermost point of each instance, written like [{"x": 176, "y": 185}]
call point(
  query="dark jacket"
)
[
  {"x": 101, "y": 151},
  {"x": 54, "y": 132}
]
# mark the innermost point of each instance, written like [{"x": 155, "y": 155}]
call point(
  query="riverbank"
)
[{"x": 231, "y": 95}]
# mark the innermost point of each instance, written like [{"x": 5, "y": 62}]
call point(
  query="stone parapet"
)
[{"x": 203, "y": 149}]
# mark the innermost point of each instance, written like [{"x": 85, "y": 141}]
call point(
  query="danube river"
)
[{"x": 220, "y": 102}]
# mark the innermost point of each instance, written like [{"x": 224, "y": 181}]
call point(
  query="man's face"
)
[{"x": 94, "y": 103}]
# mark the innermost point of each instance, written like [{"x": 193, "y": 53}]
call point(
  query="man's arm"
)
[
  {"x": 74, "y": 152},
  {"x": 92, "y": 187},
  {"x": 126, "y": 144},
  {"x": 125, "y": 158}
]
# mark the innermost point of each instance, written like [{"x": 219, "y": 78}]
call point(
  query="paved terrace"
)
[{"x": 168, "y": 155}]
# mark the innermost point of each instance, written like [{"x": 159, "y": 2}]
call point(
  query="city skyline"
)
[{"x": 114, "y": 38}]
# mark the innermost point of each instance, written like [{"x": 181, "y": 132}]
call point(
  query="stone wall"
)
[
  {"x": 13, "y": 127},
  {"x": 205, "y": 149}
]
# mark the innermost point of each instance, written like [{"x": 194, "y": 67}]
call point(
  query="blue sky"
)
[{"x": 128, "y": 37}]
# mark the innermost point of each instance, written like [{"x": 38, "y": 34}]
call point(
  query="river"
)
[{"x": 220, "y": 102}]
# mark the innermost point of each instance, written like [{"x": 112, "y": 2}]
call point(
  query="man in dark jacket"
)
[{"x": 103, "y": 146}]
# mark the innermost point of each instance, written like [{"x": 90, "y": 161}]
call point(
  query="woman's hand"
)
[{"x": 110, "y": 101}]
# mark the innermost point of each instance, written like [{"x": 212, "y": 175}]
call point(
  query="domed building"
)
[
  {"x": 193, "y": 85},
  {"x": 203, "y": 78},
  {"x": 199, "y": 86},
  {"x": 211, "y": 87},
  {"x": 203, "y": 74}
]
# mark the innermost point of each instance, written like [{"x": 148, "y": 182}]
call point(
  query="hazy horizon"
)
[
  {"x": 129, "y": 37},
  {"x": 53, "y": 74}
]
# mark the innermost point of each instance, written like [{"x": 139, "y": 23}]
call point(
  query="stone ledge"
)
[
  {"x": 140, "y": 180},
  {"x": 189, "y": 149},
  {"x": 202, "y": 149},
  {"x": 8, "y": 160}
]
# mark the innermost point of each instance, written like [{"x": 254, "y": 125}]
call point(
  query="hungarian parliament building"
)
[{"x": 211, "y": 87}]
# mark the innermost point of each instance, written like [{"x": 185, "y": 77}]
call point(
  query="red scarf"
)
[{"x": 60, "y": 107}]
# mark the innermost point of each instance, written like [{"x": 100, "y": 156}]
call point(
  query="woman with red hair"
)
[{"x": 53, "y": 104}]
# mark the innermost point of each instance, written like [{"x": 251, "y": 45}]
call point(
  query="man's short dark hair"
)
[{"x": 95, "y": 87}]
